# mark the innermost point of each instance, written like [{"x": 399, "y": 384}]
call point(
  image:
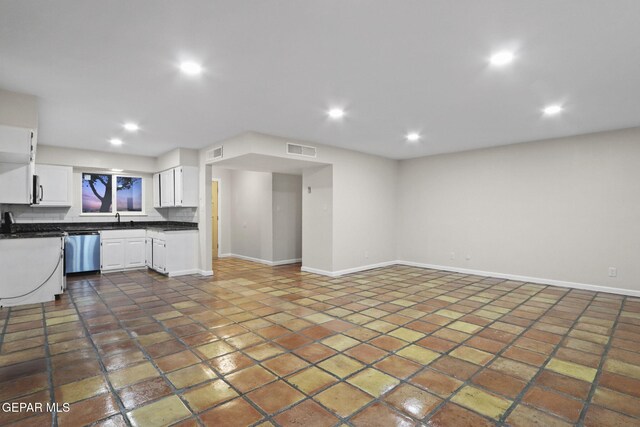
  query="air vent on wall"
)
[
  {"x": 215, "y": 153},
  {"x": 301, "y": 150}
]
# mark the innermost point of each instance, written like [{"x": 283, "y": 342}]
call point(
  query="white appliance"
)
[{"x": 31, "y": 270}]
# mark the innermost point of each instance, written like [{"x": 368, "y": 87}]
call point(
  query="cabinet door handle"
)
[{"x": 41, "y": 193}]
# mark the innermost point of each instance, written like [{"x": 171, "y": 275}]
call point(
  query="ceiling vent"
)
[
  {"x": 215, "y": 153},
  {"x": 301, "y": 150}
]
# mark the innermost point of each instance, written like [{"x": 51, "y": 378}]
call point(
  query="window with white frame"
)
[{"x": 107, "y": 194}]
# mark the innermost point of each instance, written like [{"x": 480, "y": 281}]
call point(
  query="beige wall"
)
[
  {"x": 50, "y": 155},
  {"x": 564, "y": 209},
  {"x": 364, "y": 210},
  {"x": 177, "y": 157},
  {"x": 317, "y": 219},
  {"x": 248, "y": 200},
  {"x": 251, "y": 215},
  {"x": 363, "y": 206},
  {"x": 287, "y": 217},
  {"x": 18, "y": 109}
]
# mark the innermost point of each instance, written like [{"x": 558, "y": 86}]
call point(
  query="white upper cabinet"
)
[
  {"x": 186, "y": 186},
  {"x": 167, "y": 191},
  {"x": 56, "y": 185},
  {"x": 16, "y": 183},
  {"x": 176, "y": 187},
  {"x": 17, "y": 154},
  {"x": 17, "y": 145},
  {"x": 156, "y": 190}
]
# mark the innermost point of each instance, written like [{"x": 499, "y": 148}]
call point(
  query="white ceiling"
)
[{"x": 276, "y": 66}]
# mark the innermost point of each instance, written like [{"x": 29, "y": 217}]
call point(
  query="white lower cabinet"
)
[
  {"x": 134, "y": 253},
  {"x": 174, "y": 253},
  {"x": 159, "y": 262},
  {"x": 122, "y": 249},
  {"x": 112, "y": 254},
  {"x": 148, "y": 249}
]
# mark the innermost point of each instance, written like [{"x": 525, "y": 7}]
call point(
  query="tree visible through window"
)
[
  {"x": 98, "y": 191},
  {"x": 129, "y": 194}
]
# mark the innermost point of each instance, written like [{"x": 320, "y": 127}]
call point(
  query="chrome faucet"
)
[{"x": 118, "y": 216}]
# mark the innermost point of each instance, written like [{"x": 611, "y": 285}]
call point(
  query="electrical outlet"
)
[
  {"x": 366, "y": 254},
  {"x": 453, "y": 255},
  {"x": 613, "y": 272},
  {"x": 468, "y": 257}
]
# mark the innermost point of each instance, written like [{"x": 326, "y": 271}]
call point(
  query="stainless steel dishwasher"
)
[{"x": 82, "y": 252}]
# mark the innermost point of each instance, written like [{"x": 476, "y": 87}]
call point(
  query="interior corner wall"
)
[
  {"x": 287, "y": 217},
  {"x": 317, "y": 219},
  {"x": 364, "y": 211},
  {"x": 252, "y": 215},
  {"x": 566, "y": 209}
]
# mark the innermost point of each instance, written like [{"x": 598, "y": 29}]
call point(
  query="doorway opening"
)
[{"x": 215, "y": 218}]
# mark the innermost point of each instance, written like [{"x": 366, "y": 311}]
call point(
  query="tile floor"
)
[{"x": 263, "y": 346}]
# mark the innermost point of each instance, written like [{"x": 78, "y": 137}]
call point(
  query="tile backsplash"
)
[
  {"x": 179, "y": 214},
  {"x": 27, "y": 214}
]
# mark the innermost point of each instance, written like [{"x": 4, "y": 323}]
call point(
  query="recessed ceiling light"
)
[
  {"x": 131, "y": 127},
  {"x": 502, "y": 58},
  {"x": 191, "y": 68},
  {"x": 552, "y": 110},
  {"x": 336, "y": 113},
  {"x": 115, "y": 141},
  {"x": 116, "y": 170},
  {"x": 413, "y": 136}
]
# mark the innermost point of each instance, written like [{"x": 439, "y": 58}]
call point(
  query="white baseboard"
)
[
  {"x": 363, "y": 268},
  {"x": 347, "y": 270},
  {"x": 122, "y": 270},
  {"x": 246, "y": 258},
  {"x": 286, "y": 261},
  {"x": 205, "y": 272},
  {"x": 183, "y": 272},
  {"x": 317, "y": 271},
  {"x": 261, "y": 261},
  {"x": 528, "y": 279}
]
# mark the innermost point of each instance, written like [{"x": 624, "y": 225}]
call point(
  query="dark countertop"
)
[
  {"x": 58, "y": 229},
  {"x": 33, "y": 235}
]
